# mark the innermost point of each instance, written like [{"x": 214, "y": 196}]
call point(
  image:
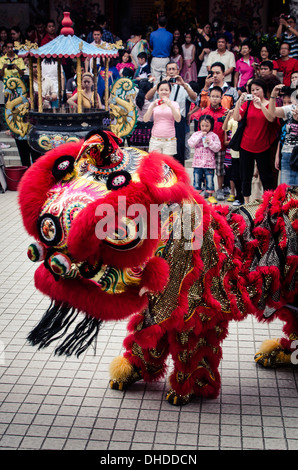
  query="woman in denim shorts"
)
[{"x": 165, "y": 113}]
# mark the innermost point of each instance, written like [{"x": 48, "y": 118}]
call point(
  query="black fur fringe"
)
[{"x": 55, "y": 324}]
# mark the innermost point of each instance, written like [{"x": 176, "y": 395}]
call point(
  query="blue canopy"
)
[{"x": 71, "y": 46}]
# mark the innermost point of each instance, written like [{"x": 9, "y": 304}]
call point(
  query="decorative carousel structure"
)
[{"x": 46, "y": 129}]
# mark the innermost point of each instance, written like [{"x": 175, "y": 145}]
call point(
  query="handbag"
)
[
  {"x": 235, "y": 141},
  {"x": 294, "y": 159}
]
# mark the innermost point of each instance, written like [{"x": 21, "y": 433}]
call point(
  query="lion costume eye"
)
[
  {"x": 127, "y": 235},
  {"x": 118, "y": 179},
  {"x": 50, "y": 230},
  {"x": 62, "y": 166}
]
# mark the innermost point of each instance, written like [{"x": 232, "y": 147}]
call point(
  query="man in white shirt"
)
[
  {"x": 224, "y": 56},
  {"x": 97, "y": 41},
  {"x": 49, "y": 93}
]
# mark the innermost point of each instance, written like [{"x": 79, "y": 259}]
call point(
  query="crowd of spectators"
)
[{"x": 212, "y": 77}]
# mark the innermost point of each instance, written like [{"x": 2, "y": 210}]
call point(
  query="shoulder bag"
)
[
  {"x": 294, "y": 159},
  {"x": 235, "y": 141}
]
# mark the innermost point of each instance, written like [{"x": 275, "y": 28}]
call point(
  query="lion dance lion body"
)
[{"x": 179, "y": 292}]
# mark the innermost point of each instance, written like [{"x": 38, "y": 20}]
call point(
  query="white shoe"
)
[
  {"x": 220, "y": 195},
  {"x": 4, "y": 146},
  {"x": 237, "y": 203}
]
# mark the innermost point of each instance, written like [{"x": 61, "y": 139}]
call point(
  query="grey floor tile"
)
[
  {"x": 53, "y": 403},
  {"x": 53, "y": 444}
]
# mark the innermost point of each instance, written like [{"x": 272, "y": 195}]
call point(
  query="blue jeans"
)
[
  {"x": 287, "y": 175},
  {"x": 203, "y": 174}
]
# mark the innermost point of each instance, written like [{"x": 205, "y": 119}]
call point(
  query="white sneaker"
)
[
  {"x": 220, "y": 195},
  {"x": 237, "y": 203},
  {"x": 4, "y": 146}
]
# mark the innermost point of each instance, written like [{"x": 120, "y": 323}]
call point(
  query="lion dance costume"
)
[{"x": 180, "y": 292}]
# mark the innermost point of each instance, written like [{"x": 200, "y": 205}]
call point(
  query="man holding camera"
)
[
  {"x": 287, "y": 32},
  {"x": 216, "y": 77},
  {"x": 10, "y": 64},
  {"x": 181, "y": 92}
]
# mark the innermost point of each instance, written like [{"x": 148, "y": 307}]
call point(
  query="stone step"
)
[
  {"x": 11, "y": 155},
  {"x": 12, "y": 160},
  {"x": 8, "y": 140}
]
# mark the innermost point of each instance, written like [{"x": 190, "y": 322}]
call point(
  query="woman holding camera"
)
[
  {"x": 165, "y": 113},
  {"x": 259, "y": 133},
  {"x": 289, "y": 137}
]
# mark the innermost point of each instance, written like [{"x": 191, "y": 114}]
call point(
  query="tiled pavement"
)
[{"x": 57, "y": 403}]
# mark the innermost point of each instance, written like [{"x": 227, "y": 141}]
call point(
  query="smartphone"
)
[{"x": 211, "y": 73}]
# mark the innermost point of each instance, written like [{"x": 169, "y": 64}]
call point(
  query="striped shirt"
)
[{"x": 293, "y": 41}]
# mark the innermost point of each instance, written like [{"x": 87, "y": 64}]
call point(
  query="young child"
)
[
  {"x": 206, "y": 143},
  {"x": 143, "y": 70},
  {"x": 189, "y": 69},
  {"x": 216, "y": 110},
  {"x": 177, "y": 56},
  {"x": 125, "y": 62}
]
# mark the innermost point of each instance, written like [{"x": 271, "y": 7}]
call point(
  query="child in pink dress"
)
[
  {"x": 177, "y": 56},
  {"x": 189, "y": 70},
  {"x": 125, "y": 62},
  {"x": 206, "y": 143}
]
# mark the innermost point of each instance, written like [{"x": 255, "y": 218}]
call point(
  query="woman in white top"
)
[{"x": 49, "y": 69}]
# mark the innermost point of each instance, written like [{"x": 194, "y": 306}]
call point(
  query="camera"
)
[
  {"x": 172, "y": 80},
  {"x": 284, "y": 17},
  {"x": 10, "y": 67},
  {"x": 216, "y": 26},
  {"x": 285, "y": 89},
  {"x": 248, "y": 97}
]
